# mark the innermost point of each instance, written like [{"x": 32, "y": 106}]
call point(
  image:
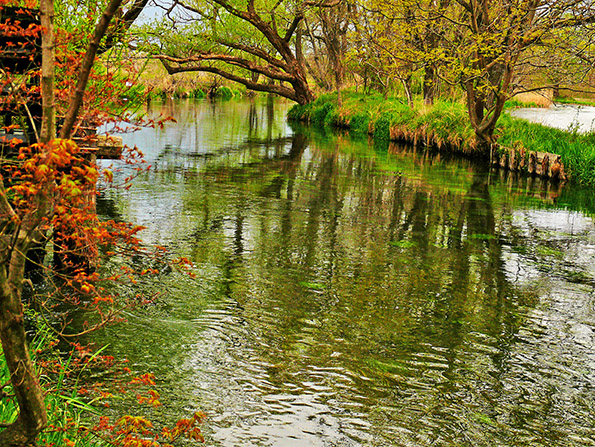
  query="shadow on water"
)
[{"x": 348, "y": 295}]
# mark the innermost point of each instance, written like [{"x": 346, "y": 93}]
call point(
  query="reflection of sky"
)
[
  {"x": 558, "y": 239},
  {"x": 559, "y": 220},
  {"x": 564, "y": 117},
  {"x": 202, "y": 129}
]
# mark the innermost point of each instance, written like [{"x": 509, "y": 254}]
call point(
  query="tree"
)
[
  {"x": 482, "y": 46},
  {"x": 564, "y": 59},
  {"x": 42, "y": 189},
  {"x": 240, "y": 43},
  {"x": 381, "y": 53},
  {"x": 493, "y": 38},
  {"x": 405, "y": 35},
  {"x": 326, "y": 30}
]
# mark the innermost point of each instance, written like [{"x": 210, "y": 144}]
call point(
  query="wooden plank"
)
[{"x": 106, "y": 147}]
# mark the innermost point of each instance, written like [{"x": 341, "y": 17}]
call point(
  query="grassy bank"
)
[
  {"x": 64, "y": 407},
  {"x": 155, "y": 81},
  {"x": 445, "y": 125},
  {"x": 198, "y": 91}
]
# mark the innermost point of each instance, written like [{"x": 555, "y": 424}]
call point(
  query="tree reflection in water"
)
[{"x": 352, "y": 296}]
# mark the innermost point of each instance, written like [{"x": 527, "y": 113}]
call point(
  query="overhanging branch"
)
[
  {"x": 270, "y": 72},
  {"x": 255, "y": 52},
  {"x": 252, "y": 85}
]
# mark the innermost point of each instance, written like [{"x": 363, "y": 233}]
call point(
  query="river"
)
[
  {"x": 570, "y": 117},
  {"x": 352, "y": 295}
]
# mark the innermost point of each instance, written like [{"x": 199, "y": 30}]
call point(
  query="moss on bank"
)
[{"x": 446, "y": 125}]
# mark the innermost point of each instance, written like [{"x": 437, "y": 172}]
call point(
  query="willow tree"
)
[{"x": 257, "y": 44}]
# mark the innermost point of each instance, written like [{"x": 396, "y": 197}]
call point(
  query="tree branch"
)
[
  {"x": 255, "y": 52},
  {"x": 293, "y": 26},
  {"x": 83, "y": 77},
  {"x": 123, "y": 24},
  {"x": 270, "y": 72},
  {"x": 252, "y": 85}
]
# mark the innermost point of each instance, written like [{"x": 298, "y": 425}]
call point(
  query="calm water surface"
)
[
  {"x": 562, "y": 116},
  {"x": 348, "y": 295}
]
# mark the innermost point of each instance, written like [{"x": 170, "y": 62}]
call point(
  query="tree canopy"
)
[
  {"x": 491, "y": 49},
  {"x": 257, "y": 44}
]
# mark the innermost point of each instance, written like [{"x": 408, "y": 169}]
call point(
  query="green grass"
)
[
  {"x": 224, "y": 92},
  {"x": 65, "y": 407},
  {"x": 576, "y": 149},
  {"x": 446, "y": 124},
  {"x": 197, "y": 92},
  {"x": 580, "y": 102}
]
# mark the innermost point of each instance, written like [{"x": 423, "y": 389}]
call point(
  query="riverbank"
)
[
  {"x": 445, "y": 126},
  {"x": 65, "y": 408},
  {"x": 155, "y": 82}
]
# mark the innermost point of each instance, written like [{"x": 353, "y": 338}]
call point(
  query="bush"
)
[
  {"x": 224, "y": 92},
  {"x": 320, "y": 113},
  {"x": 198, "y": 93},
  {"x": 382, "y": 127}
]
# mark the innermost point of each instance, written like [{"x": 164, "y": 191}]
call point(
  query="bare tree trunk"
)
[
  {"x": 48, "y": 106},
  {"x": 83, "y": 77},
  {"x": 407, "y": 87},
  {"x": 32, "y": 416}
]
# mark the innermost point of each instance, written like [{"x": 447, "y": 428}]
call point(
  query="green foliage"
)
[
  {"x": 577, "y": 150},
  {"x": 315, "y": 112},
  {"x": 582, "y": 102},
  {"x": 65, "y": 407},
  {"x": 516, "y": 104},
  {"x": 180, "y": 92},
  {"x": 299, "y": 112},
  {"x": 447, "y": 124},
  {"x": 158, "y": 93},
  {"x": 312, "y": 285},
  {"x": 198, "y": 93},
  {"x": 359, "y": 123},
  {"x": 320, "y": 113},
  {"x": 382, "y": 127},
  {"x": 224, "y": 92}
]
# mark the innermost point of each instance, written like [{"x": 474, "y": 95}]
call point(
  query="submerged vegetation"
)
[{"x": 445, "y": 124}]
